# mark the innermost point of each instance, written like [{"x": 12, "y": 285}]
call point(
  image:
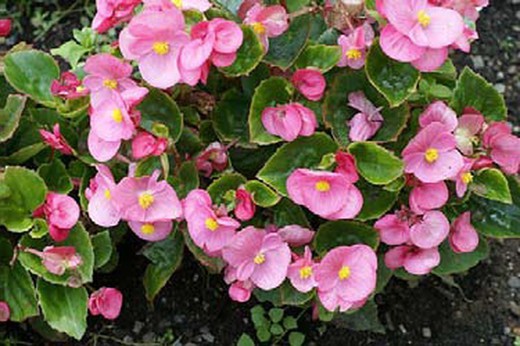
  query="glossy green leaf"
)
[
  {"x": 245, "y": 340},
  {"x": 213, "y": 264},
  {"x": 229, "y": 181},
  {"x": 262, "y": 194},
  {"x": 364, "y": 319},
  {"x": 452, "y": 263},
  {"x": 102, "y": 246},
  {"x": 230, "y": 117},
  {"x": 17, "y": 289},
  {"x": 287, "y": 213},
  {"x": 56, "y": 176},
  {"x": 186, "y": 180},
  {"x": 248, "y": 56},
  {"x": 384, "y": 274},
  {"x": 283, "y": 295},
  {"x": 22, "y": 155},
  {"x": 304, "y": 152},
  {"x": 71, "y": 52},
  {"x": 339, "y": 233},
  {"x": 376, "y": 201},
  {"x": 319, "y": 56},
  {"x": 376, "y": 164},
  {"x": 159, "y": 109},
  {"x": 491, "y": 183},
  {"x": 40, "y": 229},
  {"x": 296, "y": 339},
  {"x": 10, "y": 116}
]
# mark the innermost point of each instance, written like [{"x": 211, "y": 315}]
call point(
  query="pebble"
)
[
  {"x": 128, "y": 339},
  {"x": 478, "y": 61},
  {"x": 515, "y": 309},
  {"x": 138, "y": 326},
  {"x": 514, "y": 282},
  {"x": 501, "y": 88},
  {"x": 149, "y": 337},
  {"x": 427, "y": 332}
]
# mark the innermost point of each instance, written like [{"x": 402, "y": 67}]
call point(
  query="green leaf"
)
[
  {"x": 79, "y": 239},
  {"x": 187, "y": 179},
  {"x": 270, "y": 93},
  {"x": 283, "y": 295},
  {"x": 230, "y": 5},
  {"x": 230, "y": 117},
  {"x": 32, "y": 72},
  {"x": 491, "y": 183},
  {"x": 102, "y": 246},
  {"x": 10, "y": 116},
  {"x": 296, "y": 339},
  {"x": 6, "y": 251},
  {"x": 213, "y": 264},
  {"x": 276, "y": 314},
  {"x": 245, "y": 340},
  {"x": 276, "y": 329},
  {"x": 320, "y": 56},
  {"x": 56, "y": 176},
  {"x": 262, "y": 194},
  {"x": 64, "y": 308},
  {"x": 284, "y": 49},
  {"x": 17, "y": 289},
  {"x": 395, "y": 80},
  {"x": 287, "y": 213},
  {"x": 304, "y": 152},
  {"x": 71, "y": 52},
  {"x": 376, "y": 201},
  {"x": 229, "y": 181},
  {"x": 474, "y": 91},
  {"x": 159, "y": 109},
  {"x": 290, "y": 322},
  {"x": 40, "y": 229},
  {"x": 22, "y": 155},
  {"x": 364, "y": 319},
  {"x": 452, "y": 263},
  {"x": 248, "y": 56},
  {"x": 376, "y": 164},
  {"x": 166, "y": 257},
  {"x": 384, "y": 274},
  {"x": 340, "y": 233},
  {"x": 147, "y": 166},
  {"x": 263, "y": 334},
  {"x": 337, "y": 113}
]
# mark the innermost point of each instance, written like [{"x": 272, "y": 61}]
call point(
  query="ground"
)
[{"x": 194, "y": 307}]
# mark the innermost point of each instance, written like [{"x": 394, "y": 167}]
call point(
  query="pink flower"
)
[
  {"x": 504, "y": 147},
  {"x": 214, "y": 157},
  {"x": 101, "y": 207},
  {"x": 354, "y": 47},
  {"x": 146, "y": 200},
  {"x": 464, "y": 177},
  {"x": 414, "y": 260},
  {"x": 245, "y": 207},
  {"x": 155, "y": 40},
  {"x": 151, "y": 231},
  {"x": 366, "y": 123},
  {"x": 209, "y": 231},
  {"x": 329, "y": 195},
  {"x": 240, "y": 291},
  {"x": 56, "y": 141},
  {"x": 296, "y": 235},
  {"x": 267, "y": 22},
  {"x": 310, "y": 83},
  {"x": 58, "y": 259},
  {"x": 431, "y": 155},
  {"x": 5, "y": 311},
  {"x": 301, "y": 272},
  {"x": 145, "y": 144},
  {"x": 428, "y": 196},
  {"x": 470, "y": 125},
  {"x": 439, "y": 112},
  {"x": 5, "y": 28},
  {"x": 61, "y": 213},
  {"x": 346, "y": 276},
  {"x": 393, "y": 229},
  {"x": 165, "y": 5},
  {"x": 68, "y": 87},
  {"x": 346, "y": 165},
  {"x": 258, "y": 256},
  {"x": 289, "y": 121},
  {"x": 111, "y": 12},
  {"x": 106, "y": 302},
  {"x": 111, "y": 121},
  {"x": 430, "y": 231},
  {"x": 463, "y": 236},
  {"x": 467, "y": 8}
]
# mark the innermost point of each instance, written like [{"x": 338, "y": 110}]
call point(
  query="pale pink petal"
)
[{"x": 431, "y": 231}]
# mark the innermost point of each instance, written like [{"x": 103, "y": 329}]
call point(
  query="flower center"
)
[
  {"x": 431, "y": 155},
  {"x": 117, "y": 115},
  {"x": 211, "y": 224},
  {"x": 322, "y": 186},
  {"x": 161, "y": 48},
  {"x": 305, "y": 272},
  {"x": 344, "y": 273},
  {"x": 147, "y": 229},
  {"x": 423, "y": 18},
  {"x": 259, "y": 259},
  {"x": 177, "y": 3},
  {"x": 110, "y": 83},
  {"x": 466, "y": 177},
  {"x": 353, "y": 54},
  {"x": 145, "y": 200},
  {"x": 108, "y": 195},
  {"x": 81, "y": 88},
  {"x": 259, "y": 28}
]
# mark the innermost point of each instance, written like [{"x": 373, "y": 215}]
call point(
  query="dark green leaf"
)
[
  {"x": 285, "y": 294},
  {"x": 159, "y": 109},
  {"x": 296, "y": 339},
  {"x": 287, "y": 213},
  {"x": 17, "y": 289},
  {"x": 491, "y": 183},
  {"x": 248, "y": 56},
  {"x": 276, "y": 314},
  {"x": 56, "y": 176},
  {"x": 230, "y": 117},
  {"x": 376, "y": 164},
  {"x": 245, "y": 340},
  {"x": 219, "y": 187},
  {"x": 340, "y": 233},
  {"x": 102, "y": 245},
  {"x": 319, "y": 56},
  {"x": 10, "y": 116},
  {"x": 262, "y": 194},
  {"x": 364, "y": 319},
  {"x": 376, "y": 201},
  {"x": 452, "y": 263}
]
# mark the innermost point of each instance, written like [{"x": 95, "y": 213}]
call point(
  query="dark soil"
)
[{"x": 194, "y": 307}]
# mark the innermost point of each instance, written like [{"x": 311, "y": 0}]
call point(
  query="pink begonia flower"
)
[
  {"x": 504, "y": 147},
  {"x": 5, "y": 28},
  {"x": 112, "y": 12},
  {"x": 289, "y": 121},
  {"x": 100, "y": 149},
  {"x": 296, "y": 235},
  {"x": 267, "y": 22},
  {"x": 209, "y": 231},
  {"x": 354, "y": 47},
  {"x": 214, "y": 157},
  {"x": 467, "y": 8},
  {"x": 428, "y": 196},
  {"x": 439, "y": 112},
  {"x": 258, "y": 256},
  {"x": 146, "y": 200},
  {"x": 68, "y": 87},
  {"x": 151, "y": 231},
  {"x": 166, "y": 5},
  {"x": 470, "y": 125},
  {"x": 327, "y": 194},
  {"x": 346, "y": 165},
  {"x": 310, "y": 83},
  {"x": 432, "y": 155},
  {"x": 464, "y": 177},
  {"x": 418, "y": 32},
  {"x": 107, "y": 302},
  {"x": 430, "y": 231},
  {"x": 245, "y": 207},
  {"x": 145, "y": 144},
  {"x": 463, "y": 236},
  {"x": 463, "y": 43},
  {"x": 155, "y": 40},
  {"x": 101, "y": 208},
  {"x": 5, "y": 312},
  {"x": 393, "y": 229},
  {"x": 301, "y": 272},
  {"x": 107, "y": 77},
  {"x": 61, "y": 213},
  {"x": 365, "y": 124},
  {"x": 57, "y": 259},
  {"x": 240, "y": 291},
  {"x": 414, "y": 260},
  {"x": 346, "y": 276},
  {"x": 56, "y": 141}
]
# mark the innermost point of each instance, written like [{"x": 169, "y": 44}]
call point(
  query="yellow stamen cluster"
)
[
  {"x": 322, "y": 186},
  {"x": 466, "y": 177},
  {"x": 259, "y": 28},
  {"x": 259, "y": 259},
  {"x": 117, "y": 115},
  {"x": 161, "y": 48},
  {"x": 423, "y": 18},
  {"x": 353, "y": 54},
  {"x": 344, "y": 273},
  {"x": 110, "y": 83},
  {"x": 211, "y": 224},
  {"x": 147, "y": 229},
  {"x": 146, "y": 200},
  {"x": 305, "y": 272},
  {"x": 177, "y": 3},
  {"x": 431, "y": 155},
  {"x": 108, "y": 195}
]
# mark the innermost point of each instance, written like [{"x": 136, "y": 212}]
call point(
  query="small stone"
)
[
  {"x": 402, "y": 329},
  {"x": 478, "y": 61},
  {"x": 514, "y": 282},
  {"x": 501, "y": 88},
  {"x": 149, "y": 337},
  {"x": 128, "y": 339},
  {"x": 427, "y": 332},
  {"x": 515, "y": 309},
  {"x": 138, "y": 326},
  {"x": 208, "y": 337}
]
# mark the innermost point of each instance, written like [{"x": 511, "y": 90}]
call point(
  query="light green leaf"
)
[
  {"x": 376, "y": 164},
  {"x": 491, "y": 183},
  {"x": 10, "y": 116},
  {"x": 319, "y": 56},
  {"x": 262, "y": 194},
  {"x": 17, "y": 289}
]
